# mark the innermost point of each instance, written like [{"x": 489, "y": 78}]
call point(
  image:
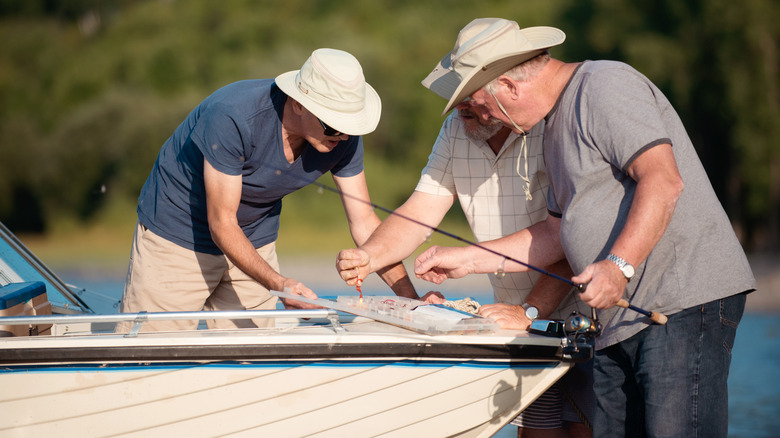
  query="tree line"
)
[{"x": 90, "y": 89}]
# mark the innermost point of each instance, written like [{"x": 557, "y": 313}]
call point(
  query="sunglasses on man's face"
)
[{"x": 328, "y": 131}]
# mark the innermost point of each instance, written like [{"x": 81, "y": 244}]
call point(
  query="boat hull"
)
[
  {"x": 325, "y": 398},
  {"x": 386, "y": 383}
]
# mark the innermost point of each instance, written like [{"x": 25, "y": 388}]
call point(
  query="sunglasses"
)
[{"x": 328, "y": 131}]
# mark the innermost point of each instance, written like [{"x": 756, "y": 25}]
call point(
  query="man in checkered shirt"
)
[{"x": 500, "y": 181}]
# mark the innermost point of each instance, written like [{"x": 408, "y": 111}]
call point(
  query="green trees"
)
[{"x": 89, "y": 90}]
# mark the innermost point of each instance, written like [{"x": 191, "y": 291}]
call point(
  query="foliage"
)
[
  {"x": 717, "y": 61},
  {"x": 90, "y": 89}
]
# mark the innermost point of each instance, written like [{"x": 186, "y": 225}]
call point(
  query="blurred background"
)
[{"x": 90, "y": 90}]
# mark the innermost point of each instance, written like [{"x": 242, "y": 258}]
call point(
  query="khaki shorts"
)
[{"x": 165, "y": 277}]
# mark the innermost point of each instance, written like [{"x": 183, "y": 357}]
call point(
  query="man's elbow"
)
[
  {"x": 676, "y": 188},
  {"x": 219, "y": 226}
]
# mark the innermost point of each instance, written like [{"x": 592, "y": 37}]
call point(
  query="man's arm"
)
[
  {"x": 223, "y": 196},
  {"x": 537, "y": 245},
  {"x": 395, "y": 238},
  {"x": 659, "y": 186},
  {"x": 363, "y": 221},
  {"x": 546, "y": 296}
]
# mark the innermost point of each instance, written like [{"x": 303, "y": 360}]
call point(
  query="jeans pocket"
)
[{"x": 731, "y": 310}]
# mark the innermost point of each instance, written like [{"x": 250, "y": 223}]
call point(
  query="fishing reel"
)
[
  {"x": 580, "y": 333},
  {"x": 578, "y": 330},
  {"x": 578, "y": 324}
]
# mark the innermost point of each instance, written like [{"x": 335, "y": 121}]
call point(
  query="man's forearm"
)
[
  {"x": 387, "y": 259},
  {"x": 392, "y": 242},
  {"x": 397, "y": 278},
  {"x": 401, "y": 233},
  {"x": 237, "y": 248},
  {"x": 548, "y": 293},
  {"x": 537, "y": 245}
]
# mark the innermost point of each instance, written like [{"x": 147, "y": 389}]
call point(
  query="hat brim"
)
[
  {"x": 361, "y": 122},
  {"x": 479, "y": 77},
  {"x": 442, "y": 80},
  {"x": 446, "y": 83}
]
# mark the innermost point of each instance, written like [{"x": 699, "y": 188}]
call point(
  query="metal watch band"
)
[
  {"x": 626, "y": 268},
  {"x": 617, "y": 260}
]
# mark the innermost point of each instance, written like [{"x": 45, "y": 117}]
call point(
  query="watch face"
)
[
  {"x": 532, "y": 313},
  {"x": 628, "y": 271}
]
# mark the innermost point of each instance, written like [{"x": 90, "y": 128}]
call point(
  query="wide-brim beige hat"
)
[
  {"x": 331, "y": 86},
  {"x": 485, "y": 49}
]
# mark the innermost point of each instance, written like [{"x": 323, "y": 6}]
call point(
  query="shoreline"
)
[{"x": 766, "y": 298}]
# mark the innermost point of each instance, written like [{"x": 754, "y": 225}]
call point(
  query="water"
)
[{"x": 754, "y": 399}]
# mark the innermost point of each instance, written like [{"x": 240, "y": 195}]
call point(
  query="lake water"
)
[{"x": 754, "y": 381}]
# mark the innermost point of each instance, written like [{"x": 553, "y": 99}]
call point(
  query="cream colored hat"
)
[
  {"x": 485, "y": 49},
  {"x": 331, "y": 85}
]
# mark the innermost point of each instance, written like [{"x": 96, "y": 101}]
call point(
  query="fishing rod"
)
[{"x": 656, "y": 317}]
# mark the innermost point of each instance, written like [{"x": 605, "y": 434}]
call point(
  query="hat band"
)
[{"x": 328, "y": 102}]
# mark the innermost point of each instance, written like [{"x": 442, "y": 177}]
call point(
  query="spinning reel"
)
[{"x": 578, "y": 330}]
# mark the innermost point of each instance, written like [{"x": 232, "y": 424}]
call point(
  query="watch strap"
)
[{"x": 624, "y": 266}]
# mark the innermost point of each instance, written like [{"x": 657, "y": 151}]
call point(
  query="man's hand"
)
[
  {"x": 295, "y": 287},
  {"x": 439, "y": 263},
  {"x": 353, "y": 264},
  {"x": 606, "y": 284},
  {"x": 507, "y": 316},
  {"x": 434, "y": 297}
]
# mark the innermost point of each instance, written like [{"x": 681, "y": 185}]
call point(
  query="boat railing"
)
[
  {"x": 37, "y": 270},
  {"x": 138, "y": 319}
]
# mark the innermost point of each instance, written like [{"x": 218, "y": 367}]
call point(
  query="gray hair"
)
[{"x": 523, "y": 71}]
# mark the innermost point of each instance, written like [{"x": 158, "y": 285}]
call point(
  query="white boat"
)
[{"x": 324, "y": 372}]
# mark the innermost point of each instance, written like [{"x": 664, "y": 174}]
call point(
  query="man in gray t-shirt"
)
[{"x": 633, "y": 211}]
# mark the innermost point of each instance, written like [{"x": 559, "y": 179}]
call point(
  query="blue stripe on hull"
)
[{"x": 268, "y": 364}]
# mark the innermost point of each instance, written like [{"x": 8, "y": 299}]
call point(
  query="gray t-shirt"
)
[{"x": 606, "y": 117}]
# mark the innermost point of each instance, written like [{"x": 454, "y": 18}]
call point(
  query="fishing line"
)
[
  {"x": 654, "y": 316},
  {"x": 580, "y": 287}
]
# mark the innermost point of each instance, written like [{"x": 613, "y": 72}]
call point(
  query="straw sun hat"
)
[
  {"x": 332, "y": 87},
  {"x": 485, "y": 49}
]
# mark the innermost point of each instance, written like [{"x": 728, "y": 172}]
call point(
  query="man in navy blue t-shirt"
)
[{"x": 208, "y": 215}]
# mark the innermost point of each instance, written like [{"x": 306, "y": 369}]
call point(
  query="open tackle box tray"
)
[{"x": 416, "y": 315}]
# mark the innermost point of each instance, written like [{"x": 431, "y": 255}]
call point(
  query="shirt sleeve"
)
[
  {"x": 352, "y": 162},
  {"x": 218, "y": 136},
  {"x": 552, "y": 204},
  {"x": 623, "y": 116},
  {"x": 436, "y": 178}
]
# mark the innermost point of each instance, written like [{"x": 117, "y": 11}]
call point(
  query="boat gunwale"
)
[{"x": 313, "y": 351}]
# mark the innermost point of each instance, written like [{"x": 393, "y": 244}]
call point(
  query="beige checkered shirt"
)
[{"x": 489, "y": 187}]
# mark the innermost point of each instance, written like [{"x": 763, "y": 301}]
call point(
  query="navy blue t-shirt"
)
[{"x": 238, "y": 129}]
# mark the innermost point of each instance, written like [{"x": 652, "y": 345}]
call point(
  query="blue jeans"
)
[{"x": 669, "y": 380}]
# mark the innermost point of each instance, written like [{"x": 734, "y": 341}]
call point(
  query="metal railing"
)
[{"x": 141, "y": 317}]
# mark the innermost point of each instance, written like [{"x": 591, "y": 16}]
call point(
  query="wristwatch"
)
[
  {"x": 625, "y": 267},
  {"x": 531, "y": 312}
]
